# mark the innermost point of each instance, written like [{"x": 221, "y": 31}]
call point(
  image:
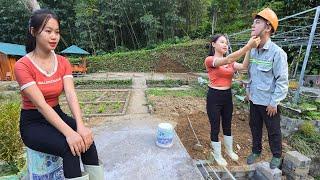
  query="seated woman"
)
[{"x": 42, "y": 76}]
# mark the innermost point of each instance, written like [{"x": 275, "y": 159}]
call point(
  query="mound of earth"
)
[{"x": 166, "y": 64}]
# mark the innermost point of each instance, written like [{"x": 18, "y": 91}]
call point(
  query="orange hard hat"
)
[{"x": 270, "y": 16}]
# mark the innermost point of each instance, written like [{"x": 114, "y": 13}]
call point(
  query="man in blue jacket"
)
[{"x": 268, "y": 85}]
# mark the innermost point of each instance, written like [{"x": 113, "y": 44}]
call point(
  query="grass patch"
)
[
  {"x": 166, "y": 83},
  {"x": 195, "y": 91},
  {"x": 102, "y": 108},
  {"x": 306, "y": 144},
  {"x": 103, "y": 84}
]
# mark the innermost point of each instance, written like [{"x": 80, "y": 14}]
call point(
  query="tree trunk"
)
[
  {"x": 71, "y": 34},
  {"x": 212, "y": 25},
  {"x": 132, "y": 30},
  {"x": 32, "y": 5},
  {"x": 121, "y": 36},
  {"x": 91, "y": 40},
  {"x": 114, "y": 37}
]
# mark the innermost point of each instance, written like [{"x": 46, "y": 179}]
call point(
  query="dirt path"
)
[{"x": 137, "y": 104}]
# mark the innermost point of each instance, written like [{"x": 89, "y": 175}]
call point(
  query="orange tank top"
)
[
  {"x": 220, "y": 76},
  {"x": 51, "y": 85}
]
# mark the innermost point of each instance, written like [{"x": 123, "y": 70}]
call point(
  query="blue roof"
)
[
  {"x": 74, "y": 50},
  {"x": 12, "y": 49}
]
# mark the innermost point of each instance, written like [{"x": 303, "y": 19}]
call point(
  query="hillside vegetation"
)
[{"x": 183, "y": 57}]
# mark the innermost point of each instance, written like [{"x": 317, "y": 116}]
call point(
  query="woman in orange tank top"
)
[
  {"x": 220, "y": 70},
  {"x": 43, "y": 76}
]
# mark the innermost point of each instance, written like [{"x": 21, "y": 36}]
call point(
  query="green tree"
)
[
  {"x": 14, "y": 17},
  {"x": 65, "y": 12},
  {"x": 194, "y": 13},
  {"x": 151, "y": 26},
  {"x": 87, "y": 23}
]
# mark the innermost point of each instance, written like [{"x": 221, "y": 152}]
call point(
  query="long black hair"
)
[
  {"x": 38, "y": 21},
  {"x": 213, "y": 39}
]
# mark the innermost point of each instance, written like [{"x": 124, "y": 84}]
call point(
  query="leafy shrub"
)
[
  {"x": 308, "y": 107},
  {"x": 189, "y": 54},
  {"x": 121, "y": 49},
  {"x": 314, "y": 115},
  {"x": 307, "y": 128},
  {"x": 11, "y": 146}
]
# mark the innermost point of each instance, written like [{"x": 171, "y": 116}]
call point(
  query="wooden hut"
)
[
  {"x": 81, "y": 68},
  {"x": 9, "y": 54}
]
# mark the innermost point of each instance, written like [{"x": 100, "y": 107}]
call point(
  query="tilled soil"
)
[{"x": 179, "y": 109}]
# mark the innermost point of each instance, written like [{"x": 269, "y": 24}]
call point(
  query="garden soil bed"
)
[
  {"x": 99, "y": 102},
  {"x": 178, "y": 109}
]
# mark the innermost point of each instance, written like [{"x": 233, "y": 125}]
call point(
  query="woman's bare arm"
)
[{"x": 252, "y": 43}]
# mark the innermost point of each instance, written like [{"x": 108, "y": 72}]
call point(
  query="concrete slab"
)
[
  {"x": 126, "y": 144},
  {"x": 127, "y": 148}
]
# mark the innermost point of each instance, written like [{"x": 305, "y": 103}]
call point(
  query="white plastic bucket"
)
[
  {"x": 164, "y": 135},
  {"x": 42, "y": 166}
]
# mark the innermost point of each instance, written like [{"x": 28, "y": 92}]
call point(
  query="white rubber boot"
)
[
  {"x": 228, "y": 141},
  {"x": 95, "y": 172},
  {"x": 85, "y": 176},
  {"x": 217, "y": 153}
]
